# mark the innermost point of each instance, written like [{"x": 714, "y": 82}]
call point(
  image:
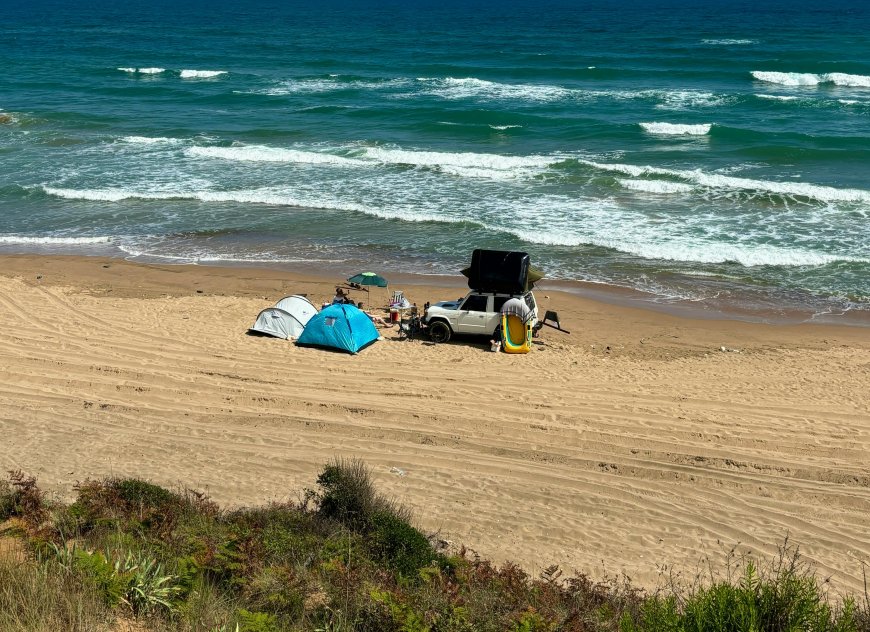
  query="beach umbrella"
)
[{"x": 367, "y": 280}]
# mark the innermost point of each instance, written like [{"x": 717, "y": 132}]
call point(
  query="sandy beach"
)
[{"x": 633, "y": 443}]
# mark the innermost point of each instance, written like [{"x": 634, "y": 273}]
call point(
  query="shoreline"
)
[
  {"x": 609, "y": 294},
  {"x": 633, "y": 442}
]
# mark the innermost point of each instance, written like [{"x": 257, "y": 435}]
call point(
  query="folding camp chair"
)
[{"x": 411, "y": 327}]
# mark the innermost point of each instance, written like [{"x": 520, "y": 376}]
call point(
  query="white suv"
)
[{"x": 479, "y": 313}]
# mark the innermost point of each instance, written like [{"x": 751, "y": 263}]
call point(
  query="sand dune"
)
[{"x": 658, "y": 450}]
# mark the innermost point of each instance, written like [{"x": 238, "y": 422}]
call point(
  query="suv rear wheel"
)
[{"x": 439, "y": 331}]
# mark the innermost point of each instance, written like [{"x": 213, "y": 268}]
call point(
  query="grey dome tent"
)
[
  {"x": 301, "y": 308},
  {"x": 287, "y": 319}
]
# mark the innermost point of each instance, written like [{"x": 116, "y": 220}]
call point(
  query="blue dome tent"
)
[{"x": 341, "y": 327}]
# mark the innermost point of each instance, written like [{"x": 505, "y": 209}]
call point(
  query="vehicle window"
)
[
  {"x": 498, "y": 302},
  {"x": 475, "y": 303},
  {"x": 530, "y": 300}
]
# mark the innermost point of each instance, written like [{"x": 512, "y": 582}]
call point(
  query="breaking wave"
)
[
  {"x": 674, "y": 129},
  {"x": 656, "y": 186},
  {"x": 811, "y": 79},
  {"x": 717, "y": 181},
  {"x": 470, "y": 87},
  {"x": 604, "y": 224},
  {"x": 332, "y": 84},
  {"x": 777, "y": 97},
  {"x": 729, "y": 42},
  {"x": 463, "y": 164},
  {"x": 245, "y": 196},
  {"x": 147, "y": 140},
  {"x": 475, "y": 165},
  {"x": 144, "y": 71},
  {"x": 49, "y": 241},
  {"x": 261, "y": 153},
  {"x": 201, "y": 74}
]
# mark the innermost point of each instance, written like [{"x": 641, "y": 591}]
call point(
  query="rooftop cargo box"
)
[{"x": 500, "y": 271}]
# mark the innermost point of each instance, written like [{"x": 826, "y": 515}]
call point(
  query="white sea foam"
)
[
  {"x": 687, "y": 99},
  {"x": 848, "y": 101},
  {"x": 668, "y": 99},
  {"x": 261, "y": 153},
  {"x": 817, "y": 192},
  {"x": 729, "y": 42},
  {"x": 321, "y": 85},
  {"x": 787, "y": 78},
  {"x": 746, "y": 255},
  {"x": 144, "y": 71},
  {"x": 676, "y": 129},
  {"x": 471, "y": 87},
  {"x": 268, "y": 196},
  {"x": 53, "y": 241},
  {"x": 474, "y": 165},
  {"x": 777, "y": 97},
  {"x": 810, "y": 79},
  {"x": 137, "y": 250},
  {"x": 656, "y": 186},
  {"x": 147, "y": 140},
  {"x": 632, "y": 234},
  {"x": 603, "y": 224},
  {"x": 466, "y": 164},
  {"x": 491, "y": 162},
  {"x": 100, "y": 195},
  {"x": 201, "y": 74},
  {"x": 854, "y": 81},
  {"x": 607, "y": 224},
  {"x": 504, "y": 127}
]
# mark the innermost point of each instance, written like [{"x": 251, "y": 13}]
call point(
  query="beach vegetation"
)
[{"x": 128, "y": 554}]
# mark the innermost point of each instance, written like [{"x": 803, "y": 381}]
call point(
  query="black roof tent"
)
[{"x": 501, "y": 271}]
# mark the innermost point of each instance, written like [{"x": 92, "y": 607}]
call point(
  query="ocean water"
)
[{"x": 712, "y": 152}]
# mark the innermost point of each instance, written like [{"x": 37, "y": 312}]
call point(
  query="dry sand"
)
[{"x": 659, "y": 450}]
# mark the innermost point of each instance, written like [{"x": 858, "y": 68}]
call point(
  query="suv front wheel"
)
[{"x": 439, "y": 331}]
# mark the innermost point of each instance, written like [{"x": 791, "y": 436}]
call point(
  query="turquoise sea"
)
[{"x": 708, "y": 152}]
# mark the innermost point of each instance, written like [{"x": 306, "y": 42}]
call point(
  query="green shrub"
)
[
  {"x": 784, "y": 595},
  {"x": 399, "y": 544},
  {"x": 276, "y": 590},
  {"x": 348, "y": 494},
  {"x": 402, "y": 614},
  {"x": 24, "y": 499},
  {"x": 350, "y": 498},
  {"x": 7, "y": 502},
  {"x": 141, "y": 493},
  {"x": 257, "y": 622},
  {"x": 111, "y": 584},
  {"x": 531, "y": 621}
]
